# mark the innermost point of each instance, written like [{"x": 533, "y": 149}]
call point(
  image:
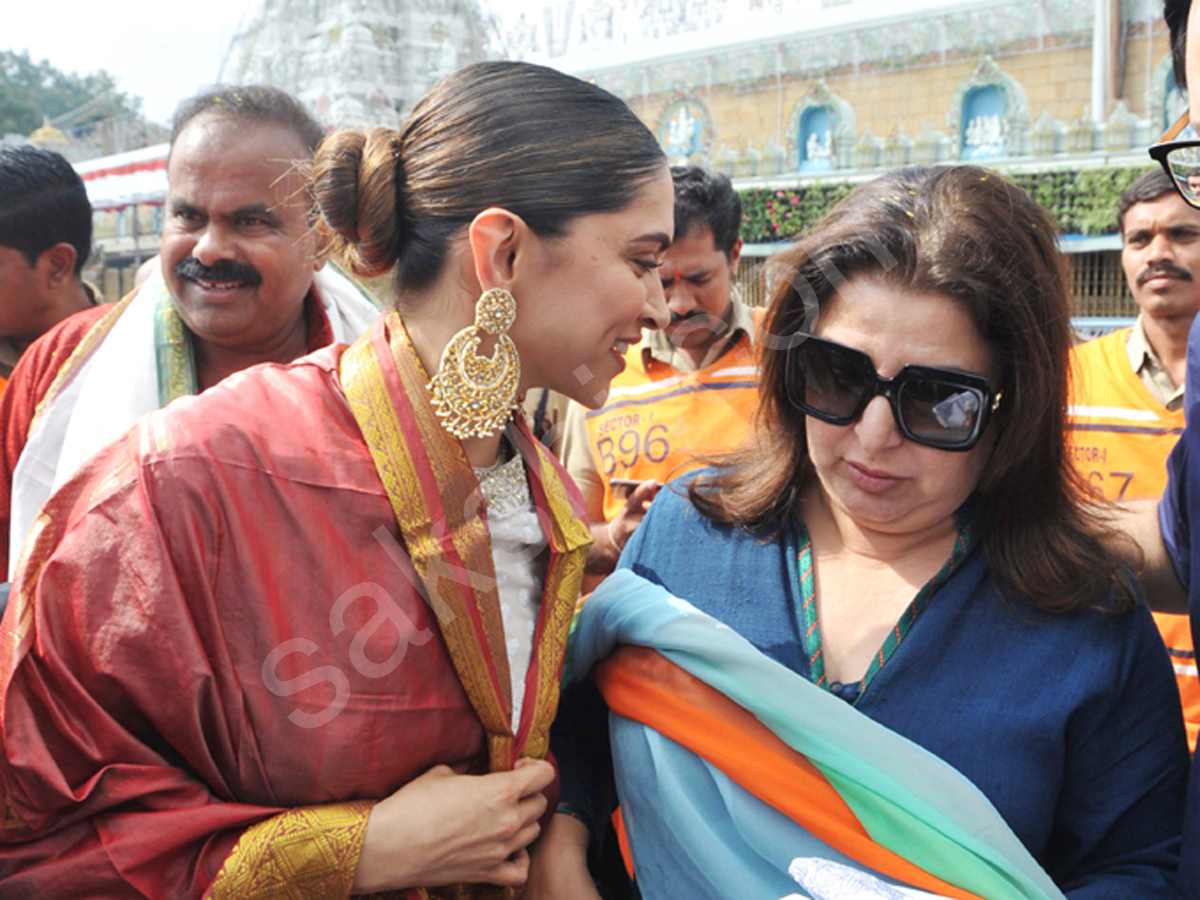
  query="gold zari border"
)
[
  {"x": 572, "y": 539},
  {"x": 456, "y": 482},
  {"x": 173, "y": 351},
  {"x": 373, "y": 409},
  {"x": 366, "y": 388},
  {"x": 307, "y": 852}
]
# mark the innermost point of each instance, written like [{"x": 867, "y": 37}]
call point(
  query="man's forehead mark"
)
[{"x": 699, "y": 273}]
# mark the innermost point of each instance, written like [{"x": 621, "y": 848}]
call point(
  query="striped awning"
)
[{"x": 139, "y": 176}]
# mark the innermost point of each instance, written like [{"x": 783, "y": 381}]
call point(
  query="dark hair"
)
[
  {"x": 1154, "y": 184},
  {"x": 1176, "y": 14},
  {"x": 43, "y": 203},
  {"x": 707, "y": 198},
  {"x": 253, "y": 103},
  {"x": 545, "y": 146},
  {"x": 971, "y": 235}
]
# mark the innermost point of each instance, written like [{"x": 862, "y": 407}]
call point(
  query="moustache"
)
[
  {"x": 694, "y": 314},
  {"x": 225, "y": 272},
  {"x": 1164, "y": 269},
  {"x": 697, "y": 320}
]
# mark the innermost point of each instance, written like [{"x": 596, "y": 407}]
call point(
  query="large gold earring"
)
[{"x": 475, "y": 395}]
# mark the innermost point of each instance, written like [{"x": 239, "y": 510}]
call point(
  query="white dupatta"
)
[{"x": 107, "y": 385}]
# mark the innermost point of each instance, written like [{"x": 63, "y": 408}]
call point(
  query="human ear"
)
[
  {"x": 735, "y": 254},
  {"x": 56, "y": 266},
  {"x": 495, "y": 237}
]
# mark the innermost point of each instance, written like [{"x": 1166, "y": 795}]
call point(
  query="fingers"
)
[
  {"x": 513, "y": 872},
  {"x": 642, "y": 494},
  {"x": 637, "y": 504},
  {"x": 533, "y": 807},
  {"x": 530, "y": 776},
  {"x": 524, "y": 837}
]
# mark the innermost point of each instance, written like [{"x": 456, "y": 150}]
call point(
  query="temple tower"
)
[{"x": 355, "y": 62}]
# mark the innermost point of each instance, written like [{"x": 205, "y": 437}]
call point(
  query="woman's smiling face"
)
[{"x": 583, "y": 298}]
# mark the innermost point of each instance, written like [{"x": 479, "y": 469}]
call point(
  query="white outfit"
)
[
  {"x": 517, "y": 544},
  {"x": 117, "y": 385}
]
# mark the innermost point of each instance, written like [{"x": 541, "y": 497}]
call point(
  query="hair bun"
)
[{"x": 354, "y": 186}]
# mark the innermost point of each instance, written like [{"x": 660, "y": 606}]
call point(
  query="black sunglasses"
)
[
  {"x": 936, "y": 407},
  {"x": 1180, "y": 160}
]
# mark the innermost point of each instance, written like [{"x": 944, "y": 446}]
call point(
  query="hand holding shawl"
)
[{"x": 730, "y": 765}]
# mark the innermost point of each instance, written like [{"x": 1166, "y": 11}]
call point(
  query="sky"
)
[{"x": 160, "y": 50}]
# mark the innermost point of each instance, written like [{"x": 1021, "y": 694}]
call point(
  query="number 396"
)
[{"x": 631, "y": 446}]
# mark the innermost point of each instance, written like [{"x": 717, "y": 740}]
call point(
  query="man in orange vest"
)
[
  {"x": 687, "y": 391},
  {"x": 1126, "y": 409}
]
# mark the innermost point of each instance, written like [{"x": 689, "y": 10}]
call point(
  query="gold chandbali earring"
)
[{"x": 475, "y": 395}]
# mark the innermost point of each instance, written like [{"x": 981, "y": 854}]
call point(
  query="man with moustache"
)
[
  {"x": 687, "y": 391},
  {"x": 1158, "y": 538},
  {"x": 1126, "y": 411},
  {"x": 242, "y": 281}
]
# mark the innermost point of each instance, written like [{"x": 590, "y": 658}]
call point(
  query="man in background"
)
[
  {"x": 688, "y": 390},
  {"x": 241, "y": 282},
  {"x": 1126, "y": 410},
  {"x": 45, "y": 240}
]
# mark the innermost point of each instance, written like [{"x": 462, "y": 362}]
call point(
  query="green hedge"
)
[{"x": 1083, "y": 202}]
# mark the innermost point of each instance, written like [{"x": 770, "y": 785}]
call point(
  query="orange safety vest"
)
[
  {"x": 658, "y": 420},
  {"x": 1119, "y": 436}
]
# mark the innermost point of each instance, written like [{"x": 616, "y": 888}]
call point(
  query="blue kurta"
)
[
  {"x": 1070, "y": 725},
  {"x": 1180, "y": 507}
]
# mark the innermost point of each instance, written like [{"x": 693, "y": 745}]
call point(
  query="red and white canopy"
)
[{"x": 139, "y": 176}]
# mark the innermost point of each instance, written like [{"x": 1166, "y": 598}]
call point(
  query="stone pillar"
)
[{"x": 1102, "y": 61}]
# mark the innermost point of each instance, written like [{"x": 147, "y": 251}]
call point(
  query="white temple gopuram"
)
[{"x": 354, "y": 62}]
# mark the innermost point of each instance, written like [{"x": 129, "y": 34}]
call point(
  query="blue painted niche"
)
[
  {"x": 983, "y": 116},
  {"x": 815, "y": 139}
]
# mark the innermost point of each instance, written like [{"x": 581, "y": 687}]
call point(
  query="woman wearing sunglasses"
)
[{"x": 881, "y": 637}]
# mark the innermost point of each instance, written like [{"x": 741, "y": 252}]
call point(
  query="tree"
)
[{"x": 30, "y": 91}]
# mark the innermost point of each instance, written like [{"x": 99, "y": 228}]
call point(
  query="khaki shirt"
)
[
  {"x": 1150, "y": 369},
  {"x": 657, "y": 345},
  {"x": 546, "y": 410},
  {"x": 575, "y": 451}
]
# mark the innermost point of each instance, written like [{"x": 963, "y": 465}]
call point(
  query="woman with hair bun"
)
[{"x": 302, "y": 635}]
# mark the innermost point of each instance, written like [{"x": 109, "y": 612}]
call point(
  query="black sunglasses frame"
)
[
  {"x": 891, "y": 388},
  {"x": 1160, "y": 152}
]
